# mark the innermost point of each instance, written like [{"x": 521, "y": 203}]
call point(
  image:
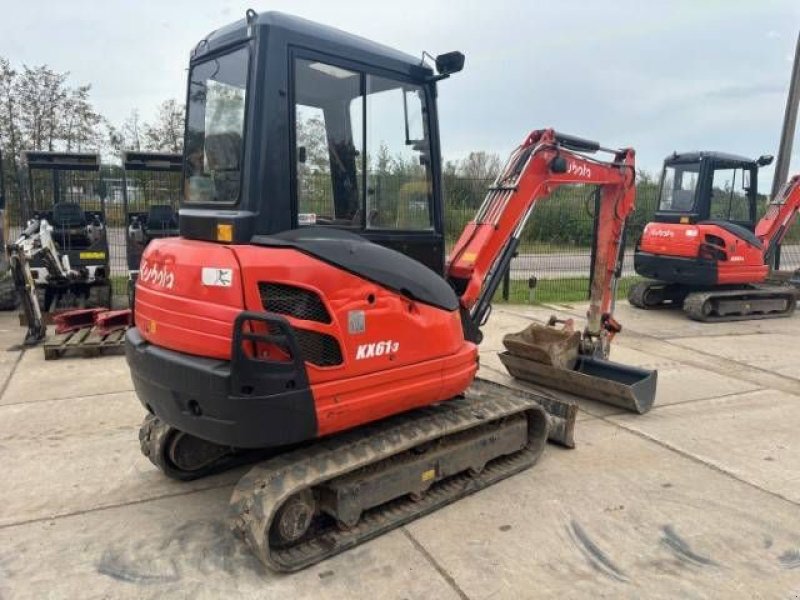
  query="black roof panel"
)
[
  {"x": 63, "y": 161},
  {"x": 152, "y": 161},
  {"x": 302, "y": 28},
  {"x": 697, "y": 155}
]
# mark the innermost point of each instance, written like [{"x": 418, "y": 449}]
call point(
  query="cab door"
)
[{"x": 364, "y": 158}]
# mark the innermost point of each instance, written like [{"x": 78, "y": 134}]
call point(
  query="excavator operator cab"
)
[
  {"x": 67, "y": 190},
  {"x": 150, "y": 194},
  {"x": 293, "y": 124},
  {"x": 709, "y": 186}
]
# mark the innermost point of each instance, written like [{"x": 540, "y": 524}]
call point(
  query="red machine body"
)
[
  {"x": 411, "y": 354},
  {"x": 737, "y": 255},
  {"x": 738, "y": 261},
  {"x": 369, "y": 346}
]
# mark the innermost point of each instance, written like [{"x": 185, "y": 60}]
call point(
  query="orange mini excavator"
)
[
  {"x": 705, "y": 250},
  {"x": 313, "y": 317}
]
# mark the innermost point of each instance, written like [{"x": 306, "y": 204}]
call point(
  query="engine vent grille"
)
[
  {"x": 293, "y": 301},
  {"x": 319, "y": 349}
]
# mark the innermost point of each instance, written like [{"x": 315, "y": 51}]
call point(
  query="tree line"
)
[{"x": 41, "y": 110}]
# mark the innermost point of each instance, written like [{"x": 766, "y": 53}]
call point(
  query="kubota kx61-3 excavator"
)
[
  {"x": 314, "y": 315},
  {"x": 705, "y": 250}
]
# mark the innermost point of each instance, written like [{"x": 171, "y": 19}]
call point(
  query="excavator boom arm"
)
[
  {"x": 780, "y": 215},
  {"x": 545, "y": 161}
]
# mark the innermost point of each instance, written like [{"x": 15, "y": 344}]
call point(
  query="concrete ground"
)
[{"x": 699, "y": 498}]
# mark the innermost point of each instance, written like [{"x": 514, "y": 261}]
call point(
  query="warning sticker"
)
[
  {"x": 215, "y": 276},
  {"x": 306, "y": 219}
]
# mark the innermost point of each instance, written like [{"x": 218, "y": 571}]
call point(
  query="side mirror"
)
[
  {"x": 449, "y": 63},
  {"x": 764, "y": 160}
]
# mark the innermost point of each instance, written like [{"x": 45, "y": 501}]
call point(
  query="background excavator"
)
[
  {"x": 327, "y": 330},
  {"x": 8, "y": 293},
  {"x": 706, "y": 250}
]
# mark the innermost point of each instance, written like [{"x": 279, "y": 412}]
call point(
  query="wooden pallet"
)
[{"x": 86, "y": 342}]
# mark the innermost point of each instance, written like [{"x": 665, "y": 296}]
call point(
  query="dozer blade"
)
[{"x": 631, "y": 388}]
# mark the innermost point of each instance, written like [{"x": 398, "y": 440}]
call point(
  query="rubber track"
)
[
  {"x": 693, "y": 304},
  {"x": 154, "y": 436},
  {"x": 260, "y": 493},
  {"x": 638, "y": 292}
]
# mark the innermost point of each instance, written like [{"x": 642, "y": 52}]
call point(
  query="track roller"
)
[{"x": 307, "y": 505}]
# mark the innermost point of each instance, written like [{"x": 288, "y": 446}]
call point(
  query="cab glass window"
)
[
  {"x": 399, "y": 191},
  {"x": 729, "y": 198},
  {"x": 678, "y": 187},
  {"x": 215, "y": 128},
  {"x": 328, "y": 144},
  {"x": 362, "y": 159}
]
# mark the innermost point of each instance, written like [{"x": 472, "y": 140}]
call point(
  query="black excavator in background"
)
[
  {"x": 151, "y": 187},
  {"x": 66, "y": 190},
  {"x": 8, "y": 293}
]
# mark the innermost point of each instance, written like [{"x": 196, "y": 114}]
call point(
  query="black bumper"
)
[
  {"x": 671, "y": 269},
  {"x": 244, "y": 403}
]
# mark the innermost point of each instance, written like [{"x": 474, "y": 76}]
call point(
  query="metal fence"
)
[{"x": 555, "y": 246}]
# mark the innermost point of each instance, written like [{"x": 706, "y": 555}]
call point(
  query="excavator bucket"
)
[{"x": 550, "y": 358}]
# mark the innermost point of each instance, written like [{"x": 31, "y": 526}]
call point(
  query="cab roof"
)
[
  {"x": 302, "y": 30},
  {"x": 698, "y": 155}
]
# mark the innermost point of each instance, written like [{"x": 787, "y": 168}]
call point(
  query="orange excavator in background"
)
[
  {"x": 327, "y": 331},
  {"x": 705, "y": 250}
]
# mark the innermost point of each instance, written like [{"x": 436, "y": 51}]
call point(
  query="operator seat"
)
[
  {"x": 683, "y": 200},
  {"x": 161, "y": 222},
  {"x": 69, "y": 225},
  {"x": 223, "y": 156},
  {"x": 68, "y": 215}
]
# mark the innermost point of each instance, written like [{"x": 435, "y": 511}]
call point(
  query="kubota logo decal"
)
[
  {"x": 377, "y": 349},
  {"x": 157, "y": 276},
  {"x": 579, "y": 170},
  {"x": 664, "y": 233}
]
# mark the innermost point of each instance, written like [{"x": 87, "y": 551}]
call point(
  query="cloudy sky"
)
[{"x": 658, "y": 75}]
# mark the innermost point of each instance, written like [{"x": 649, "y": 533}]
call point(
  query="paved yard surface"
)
[{"x": 698, "y": 499}]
